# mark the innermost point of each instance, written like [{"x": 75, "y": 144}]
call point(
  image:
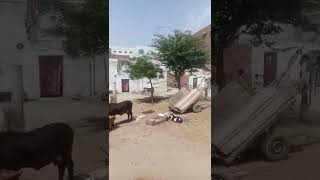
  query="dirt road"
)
[{"x": 167, "y": 151}]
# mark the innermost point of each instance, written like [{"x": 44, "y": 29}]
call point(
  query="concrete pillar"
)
[
  {"x": 16, "y": 110},
  {"x": 113, "y": 97}
]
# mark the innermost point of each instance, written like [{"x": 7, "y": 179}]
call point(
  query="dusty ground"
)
[
  {"x": 88, "y": 122},
  {"x": 167, "y": 151}
]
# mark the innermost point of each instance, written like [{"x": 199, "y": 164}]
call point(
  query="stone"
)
[{"x": 150, "y": 122}]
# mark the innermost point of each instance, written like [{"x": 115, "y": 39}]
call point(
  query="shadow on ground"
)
[
  {"x": 148, "y": 112},
  {"x": 96, "y": 124},
  {"x": 205, "y": 106},
  {"x": 157, "y": 99},
  {"x": 124, "y": 122},
  {"x": 254, "y": 154}
]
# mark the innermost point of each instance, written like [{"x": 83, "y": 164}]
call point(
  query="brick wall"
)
[
  {"x": 205, "y": 34},
  {"x": 235, "y": 58},
  {"x": 171, "y": 80}
]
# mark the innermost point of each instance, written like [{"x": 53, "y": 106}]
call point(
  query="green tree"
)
[
  {"x": 84, "y": 27},
  {"x": 144, "y": 68},
  {"x": 180, "y": 52},
  {"x": 256, "y": 18}
]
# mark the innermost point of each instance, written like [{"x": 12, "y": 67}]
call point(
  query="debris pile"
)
[{"x": 171, "y": 116}]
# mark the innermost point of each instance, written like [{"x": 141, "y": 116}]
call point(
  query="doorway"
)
[
  {"x": 50, "y": 73},
  {"x": 270, "y": 67},
  {"x": 125, "y": 85},
  {"x": 195, "y": 83}
]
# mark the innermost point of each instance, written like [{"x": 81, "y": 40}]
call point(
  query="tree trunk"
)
[
  {"x": 220, "y": 79},
  {"x": 178, "y": 78},
  {"x": 152, "y": 92},
  {"x": 92, "y": 76}
]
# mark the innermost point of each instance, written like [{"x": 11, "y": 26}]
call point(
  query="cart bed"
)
[{"x": 240, "y": 116}]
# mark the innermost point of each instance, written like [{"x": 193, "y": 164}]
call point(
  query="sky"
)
[{"x": 133, "y": 23}]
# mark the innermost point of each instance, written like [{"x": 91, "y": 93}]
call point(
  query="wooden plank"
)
[{"x": 188, "y": 100}]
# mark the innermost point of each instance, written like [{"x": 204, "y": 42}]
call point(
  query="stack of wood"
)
[{"x": 9, "y": 175}]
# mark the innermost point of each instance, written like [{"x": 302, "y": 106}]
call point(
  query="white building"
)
[
  {"x": 132, "y": 51},
  {"x": 120, "y": 80},
  {"x": 198, "y": 79},
  {"x": 47, "y": 70},
  {"x": 263, "y": 64}
]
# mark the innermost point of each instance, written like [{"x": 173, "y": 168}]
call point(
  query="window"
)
[
  {"x": 120, "y": 51},
  {"x": 125, "y": 52},
  {"x": 114, "y": 51},
  {"x": 141, "y": 51},
  {"x": 130, "y": 52}
]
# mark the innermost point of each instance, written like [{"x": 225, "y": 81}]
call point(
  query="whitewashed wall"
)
[
  {"x": 75, "y": 71},
  {"x": 290, "y": 37},
  {"x": 160, "y": 85},
  {"x": 201, "y": 75},
  {"x": 283, "y": 59}
]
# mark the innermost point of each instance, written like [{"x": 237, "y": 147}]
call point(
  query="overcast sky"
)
[{"x": 134, "y": 22}]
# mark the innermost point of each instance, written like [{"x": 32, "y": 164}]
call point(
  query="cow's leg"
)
[
  {"x": 131, "y": 115},
  {"x": 70, "y": 167},
  {"x": 61, "y": 169}
]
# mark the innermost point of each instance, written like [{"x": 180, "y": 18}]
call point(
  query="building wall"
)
[
  {"x": 283, "y": 59},
  {"x": 236, "y": 58},
  {"x": 75, "y": 71},
  {"x": 173, "y": 83},
  {"x": 12, "y": 32},
  {"x": 134, "y": 85},
  {"x": 205, "y": 34},
  {"x": 286, "y": 43},
  {"x": 201, "y": 76}
]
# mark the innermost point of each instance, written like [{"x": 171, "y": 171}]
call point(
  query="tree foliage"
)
[
  {"x": 84, "y": 27},
  {"x": 141, "y": 68},
  {"x": 180, "y": 52}
]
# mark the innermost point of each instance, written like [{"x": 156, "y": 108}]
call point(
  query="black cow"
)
[
  {"x": 121, "y": 108},
  {"x": 40, "y": 147}
]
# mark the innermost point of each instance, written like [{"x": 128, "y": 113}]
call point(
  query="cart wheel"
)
[
  {"x": 274, "y": 147},
  {"x": 196, "y": 108}
]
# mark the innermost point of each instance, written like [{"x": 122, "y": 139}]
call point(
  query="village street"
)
[
  {"x": 87, "y": 120},
  {"x": 166, "y": 151}
]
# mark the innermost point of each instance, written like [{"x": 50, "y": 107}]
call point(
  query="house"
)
[
  {"x": 120, "y": 80},
  {"x": 132, "y": 51},
  {"x": 263, "y": 64},
  {"x": 47, "y": 70},
  {"x": 205, "y": 35},
  {"x": 192, "y": 80}
]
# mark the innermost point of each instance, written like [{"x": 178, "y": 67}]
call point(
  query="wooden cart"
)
[{"x": 186, "y": 99}]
